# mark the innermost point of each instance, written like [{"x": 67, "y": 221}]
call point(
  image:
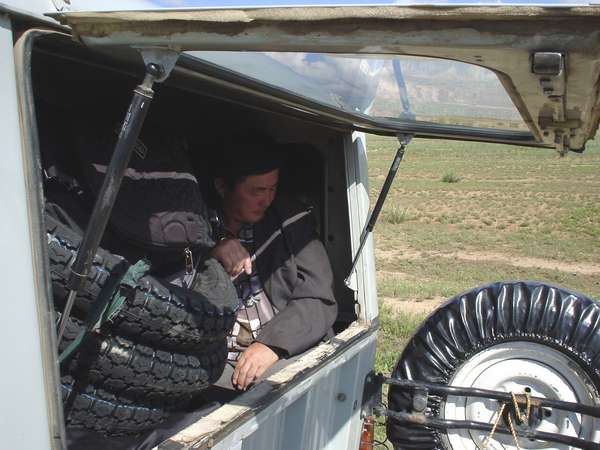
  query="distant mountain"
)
[{"x": 441, "y": 90}]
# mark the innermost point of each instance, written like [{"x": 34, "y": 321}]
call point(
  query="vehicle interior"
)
[{"x": 79, "y": 93}]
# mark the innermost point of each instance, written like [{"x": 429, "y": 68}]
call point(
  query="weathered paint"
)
[
  {"x": 281, "y": 411},
  {"x": 499, "y": 38},
  {"x": 26, "y": 386}
]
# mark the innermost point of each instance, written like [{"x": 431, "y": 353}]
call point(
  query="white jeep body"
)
[{"x": 315, "y": 403}]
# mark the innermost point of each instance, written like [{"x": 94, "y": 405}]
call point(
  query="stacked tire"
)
[{"x": 165, "y": 344}]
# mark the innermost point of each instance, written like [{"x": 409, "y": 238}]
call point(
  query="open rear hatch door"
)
[{"x": 525, "y": 75}]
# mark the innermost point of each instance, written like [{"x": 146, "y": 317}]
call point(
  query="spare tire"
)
[
  {"x": 507, "y": 336},
  {"x": 99, "y": 410},
  {"x": 159, "y": 315},
  {"x": 139, "y": 372}
]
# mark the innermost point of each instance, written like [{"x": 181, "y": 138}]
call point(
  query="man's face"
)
[{"x": 249, "y": 199}]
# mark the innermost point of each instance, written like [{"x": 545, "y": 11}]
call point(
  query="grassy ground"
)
[{"x": 463, "y": 214}]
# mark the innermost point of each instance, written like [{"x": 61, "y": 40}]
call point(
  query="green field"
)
[{"x": 463, "y": 214}]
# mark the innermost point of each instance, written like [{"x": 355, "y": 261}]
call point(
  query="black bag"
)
[{"x": 159, "y": 207}]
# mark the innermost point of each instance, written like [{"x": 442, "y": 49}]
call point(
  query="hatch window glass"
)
[{"x": 402, "y": 88}]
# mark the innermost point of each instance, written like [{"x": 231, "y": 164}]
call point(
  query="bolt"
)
[
  {"x": 154, "y": 69},
  {"x": 341, "y": 397},
  {"x": 419, "y": 402}
]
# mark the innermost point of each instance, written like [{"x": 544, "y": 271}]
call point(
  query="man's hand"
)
[
  {"x": 251, "y": 364},
  {"x": 233, "y": 257}
]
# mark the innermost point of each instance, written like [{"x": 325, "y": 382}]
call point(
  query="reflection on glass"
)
[
  {"x": 447, "y": 92},
  {"x": 401, "y": 88}
]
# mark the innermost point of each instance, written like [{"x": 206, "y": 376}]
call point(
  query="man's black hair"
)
[{"x": 254, "y": 155}]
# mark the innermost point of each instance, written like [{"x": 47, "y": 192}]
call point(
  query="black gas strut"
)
[
  {"x": 404, "y": 140},
  {"x": 130, "y": 130}
]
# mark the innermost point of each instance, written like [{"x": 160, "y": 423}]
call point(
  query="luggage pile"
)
[{"x": 163, "y": 344}]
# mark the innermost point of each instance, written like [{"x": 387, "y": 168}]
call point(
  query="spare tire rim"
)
[{"x": 521, "y": 367}]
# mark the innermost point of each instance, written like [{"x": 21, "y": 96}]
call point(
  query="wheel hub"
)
[{"x": 520, "y": 367}]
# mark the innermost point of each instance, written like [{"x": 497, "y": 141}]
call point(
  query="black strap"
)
[{"x": 107, "y": 306}]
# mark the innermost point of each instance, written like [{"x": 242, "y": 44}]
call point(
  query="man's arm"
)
[
  {"x": 312, "y": 309},
  {"x": 305, "y": 320}
]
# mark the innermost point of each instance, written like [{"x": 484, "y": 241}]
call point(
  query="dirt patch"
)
[
  {"x": 517, "y": 261},
  {"x": 396, "y": 275},
  {"x": 409, "y": 306},
  {"x": 382, "y": 253}
]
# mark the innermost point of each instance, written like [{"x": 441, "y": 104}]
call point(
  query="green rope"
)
[{"x": 107, "y": 305}]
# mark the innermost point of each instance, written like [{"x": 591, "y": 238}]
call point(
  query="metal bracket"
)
[
  {"x": 372, "y": 394},
  {"x": 164, "y": 57},
  {"x": 404, "y": 138},
  {"x": 445, "y": 390},
  {"x": 550, "y": 67},
  {"x": 419, "y": 416}
]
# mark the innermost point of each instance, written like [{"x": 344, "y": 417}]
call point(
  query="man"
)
[{"x": 269, "y": 247}]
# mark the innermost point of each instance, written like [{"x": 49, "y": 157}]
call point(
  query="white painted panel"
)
[
  {"x": 24, "y": 415},
  {"x": 358, "y": 202},
  {"x": 313, "y": 415},
  {"x": 294, "y": 414}
]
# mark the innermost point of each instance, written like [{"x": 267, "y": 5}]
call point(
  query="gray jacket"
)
[{"x": 297, "y": 277}]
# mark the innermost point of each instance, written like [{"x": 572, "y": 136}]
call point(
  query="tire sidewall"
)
[{"x": 484, "y": 317}]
